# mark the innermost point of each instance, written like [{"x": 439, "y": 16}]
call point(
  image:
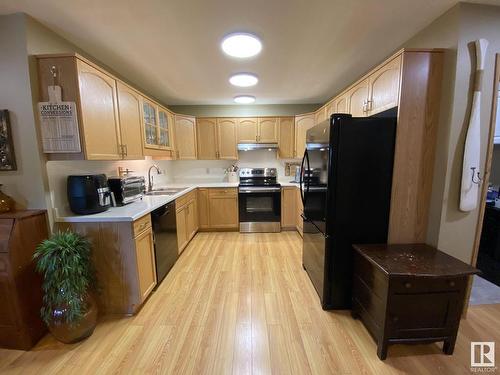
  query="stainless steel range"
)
[{"x": 259, "y": 197}]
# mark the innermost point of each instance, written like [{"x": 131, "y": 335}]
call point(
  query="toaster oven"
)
[{"x": 127, "y": 189}]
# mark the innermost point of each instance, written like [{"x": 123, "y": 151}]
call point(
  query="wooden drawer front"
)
[
  {"x": 140, "y": 225},
  {"x": 368, "y": 302},
  {"x": 223, "y": 192},
  {"x": 186, "y": 198},
  {"x": 424, "y": 315},
  {"x": 372, "y": 277},
  {"x": 409, "y": 285},
  {"x": 5, "y": 229}
]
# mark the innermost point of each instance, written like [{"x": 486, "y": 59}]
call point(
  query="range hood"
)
[{"x": 257, "y": 146}]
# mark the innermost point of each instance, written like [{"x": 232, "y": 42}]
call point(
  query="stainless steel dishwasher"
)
[{"x": 165, "y": 239}]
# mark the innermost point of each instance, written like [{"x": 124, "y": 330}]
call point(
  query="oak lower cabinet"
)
[
  {"x": 185, "y": 137},
  {"x": 286, "y": 143},
  {"x": 123, "y": 257},
  {"x": 187, "y": 219},
  {"x": 20, "y": 285},
  {"x": 218, "y": 209},
  {"x": 288, "y": 210}
]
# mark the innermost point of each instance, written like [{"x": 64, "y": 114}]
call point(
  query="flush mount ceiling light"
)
[
  {"x": 244, "y": 99},
  {"x": 241, "y": 45},
  {"x": 243, "y": 80}
]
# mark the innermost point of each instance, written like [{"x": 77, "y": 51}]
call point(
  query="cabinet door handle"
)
[
  {"x": 369, "y": 105},
  {"x": 365, "y": 106},
  {"x": 125, "y": 151}
]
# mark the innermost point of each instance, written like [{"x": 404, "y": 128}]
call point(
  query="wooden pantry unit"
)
[{"x": 410, "y": 81}]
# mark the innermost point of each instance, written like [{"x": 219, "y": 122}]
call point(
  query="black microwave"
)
[{"x": 127, "y": 189}]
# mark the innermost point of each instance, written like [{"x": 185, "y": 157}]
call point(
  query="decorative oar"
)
[{"x": 471, "y": 177}]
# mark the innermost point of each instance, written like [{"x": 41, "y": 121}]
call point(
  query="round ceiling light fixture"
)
[
  {"x": 241, "y": 45},
  {"x": 244, "y": 99},
  {"x": 243, "y": 80}
]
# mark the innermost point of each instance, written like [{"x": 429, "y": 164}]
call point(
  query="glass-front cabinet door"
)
[
  {"x": 157, "y": 126},
  {"x": 150, "y": 123},
  {"x": 164, "y": 138}
]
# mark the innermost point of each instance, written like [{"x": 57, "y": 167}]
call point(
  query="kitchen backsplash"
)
[{"x": 187, "y": 171}]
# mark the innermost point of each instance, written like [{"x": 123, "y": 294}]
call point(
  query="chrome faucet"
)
[{"x": 150, "y": 178}]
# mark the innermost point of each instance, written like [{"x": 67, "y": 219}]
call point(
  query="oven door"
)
[{"x": 260, "y": 209}]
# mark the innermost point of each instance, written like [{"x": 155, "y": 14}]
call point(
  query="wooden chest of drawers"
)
[
  {"x": 20, "y": 285},
  {"x": 408, "y": 294}
]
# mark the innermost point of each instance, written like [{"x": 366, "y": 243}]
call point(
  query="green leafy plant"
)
[{"x": 64, "y": 260}]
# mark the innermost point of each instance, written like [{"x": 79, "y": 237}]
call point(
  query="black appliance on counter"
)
[
  {"x": 346, "y": 198},
  {"x": 164, "y": 224},
  {"x": 259, "y": 200},
  {"x": 127, "y": 189},
  {"x": 88, "y": 194}
]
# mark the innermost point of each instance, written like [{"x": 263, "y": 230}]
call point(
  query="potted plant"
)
[{"x": 68, "y": 309}]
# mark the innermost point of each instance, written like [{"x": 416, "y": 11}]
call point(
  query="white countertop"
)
[{"x": 135, "y": 210}]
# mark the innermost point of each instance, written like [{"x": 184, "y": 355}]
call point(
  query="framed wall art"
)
[{"x": 7, "y": 156}]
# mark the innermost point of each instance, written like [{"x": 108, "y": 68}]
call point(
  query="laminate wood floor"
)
[{"x": 242, "y": 304}]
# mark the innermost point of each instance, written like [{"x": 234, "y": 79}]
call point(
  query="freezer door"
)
[{"x": 313, "y": 256}]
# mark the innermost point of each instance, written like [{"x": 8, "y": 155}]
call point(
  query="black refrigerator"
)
[{"x": 346, "y": 191}]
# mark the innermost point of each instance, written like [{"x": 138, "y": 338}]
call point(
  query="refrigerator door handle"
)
[{"x": 301, "y": 178}]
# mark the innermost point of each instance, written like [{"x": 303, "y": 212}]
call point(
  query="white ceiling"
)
[{"x": 311, "y": 48}]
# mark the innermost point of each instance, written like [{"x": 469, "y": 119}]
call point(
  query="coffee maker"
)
[{"x": 88, "y": 194}]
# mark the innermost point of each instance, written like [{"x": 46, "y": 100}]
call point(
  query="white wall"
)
[{"x": 26, "y": 185}]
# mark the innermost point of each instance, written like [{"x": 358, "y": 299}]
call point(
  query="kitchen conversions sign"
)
[{"x": 59, "y": 124}]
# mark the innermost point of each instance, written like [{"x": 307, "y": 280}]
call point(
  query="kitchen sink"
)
[{"x": 165, "y": 191}]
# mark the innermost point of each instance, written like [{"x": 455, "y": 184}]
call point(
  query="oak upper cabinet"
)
[
  {"x": 223, "y": 208},
  {"x": 286, "y": 143},
  {"x": 268, "y": 130},
  {"x": 248, "y": 130},
  {"x": 384, "y": 87},
  {"x": 206, "y": 132},
  {"x": 165, "y": 125},
  {"x": 185, "y": 137},
  {"x": 330, "y": 108},
  {"x": 358, "y": 99},
  {"x": 99, "y": 112},
  {"x": 288, "y": 210},
  {"x": 341, "y": 104},
  {"x": 158, "y": 124},
  {"x": 320, "y": 115},
  {"x": 227, "y": 138},
  {"x": 218, "y": 138},
  {"x": 130, "y": 116},
  {"x": 302, "y": 124}
]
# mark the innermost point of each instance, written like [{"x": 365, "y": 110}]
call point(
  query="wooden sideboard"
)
[
  {"x": 20, "y": 286},
  {"x": 409, "y": 294}
]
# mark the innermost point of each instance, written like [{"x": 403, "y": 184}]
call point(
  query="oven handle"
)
[{"x": 258, "y": 190}]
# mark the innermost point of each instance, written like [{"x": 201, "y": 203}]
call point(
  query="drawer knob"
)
[
  {"x": 451, "y": 283},
  {"x": 408, "y": 285},
  {"x": 395, "y": 319}
]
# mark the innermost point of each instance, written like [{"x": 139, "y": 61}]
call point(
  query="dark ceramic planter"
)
[{"x": 71, "y": 333}]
